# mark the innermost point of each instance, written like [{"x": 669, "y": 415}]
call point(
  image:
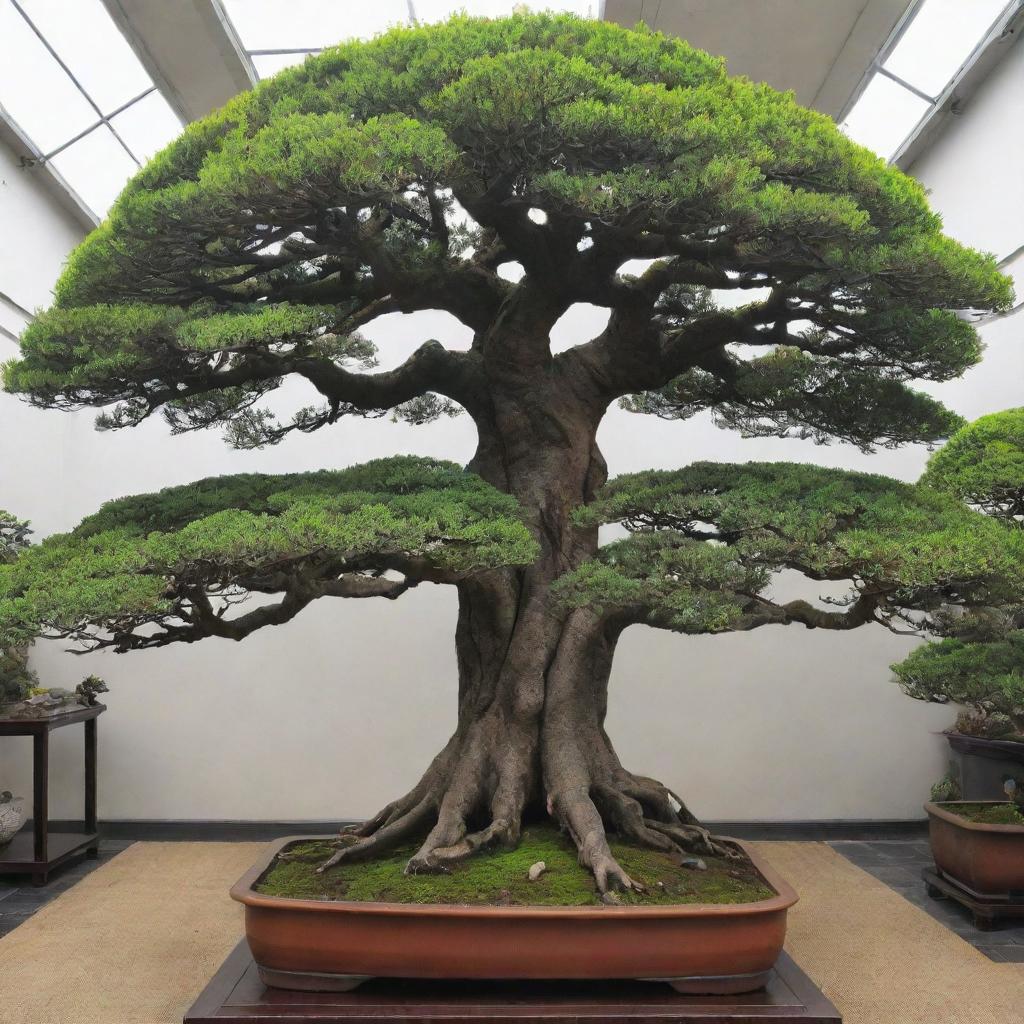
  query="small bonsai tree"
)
[
  {"x": 16, "y": 678},
  {"x": 980, "y": 663},
  {"x": 403, "y": 174},
  {"x": 983, "y": 464}
]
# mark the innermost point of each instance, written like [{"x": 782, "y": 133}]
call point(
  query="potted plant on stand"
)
[
  {"x": 793, "y": 283},
  {"x": 977, "y": 839}
]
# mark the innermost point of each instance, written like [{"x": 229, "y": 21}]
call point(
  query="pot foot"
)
[
  {"x": 718, "y": 985},
  {"x": 310, "y": 981}
]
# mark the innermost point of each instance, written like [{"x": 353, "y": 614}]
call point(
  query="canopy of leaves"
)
[
  {"x": 983, "y": 464},
  {"x": 986, "y": 676},
  {"x": 707, "y": 538},
  {"x": 177, "y": 559},
  {"x": 400, "y": 173}
]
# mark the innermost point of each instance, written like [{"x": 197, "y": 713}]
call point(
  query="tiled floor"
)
[
  {"x": 898, "y": 863},
  {"x": 20, "y": 899}
]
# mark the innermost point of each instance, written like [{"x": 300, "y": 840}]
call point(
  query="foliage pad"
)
[
  {"x": 706, "y": 540},
  {"x": 155, "y": 559}
]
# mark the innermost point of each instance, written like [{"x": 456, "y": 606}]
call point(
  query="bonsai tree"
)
[
  {"x": 403, "y": 174},
  {"x": 16, "y": 678},
  {"x": 980, "y": 663}
]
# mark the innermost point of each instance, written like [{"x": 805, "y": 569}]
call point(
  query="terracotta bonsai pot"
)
[
  {"x": 986, "y": 860},
  {"x": 324, "y": 946}
]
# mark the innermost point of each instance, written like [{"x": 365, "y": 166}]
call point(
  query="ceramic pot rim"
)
[
  {"x": 244, "y": 892},
  {"x": 941, "y": 810}
]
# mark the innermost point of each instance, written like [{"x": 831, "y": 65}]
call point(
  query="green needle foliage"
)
[
  {"x": 980, "y": 663},
  {"x": 253, "y": 246},
  {"x": 401, "y": 174},
  {"x": 165, "y": 560},
  {"x": 707, "y": 539},
  {"x": 986, "y": 676},
  {"x": 983, "y": 464}
]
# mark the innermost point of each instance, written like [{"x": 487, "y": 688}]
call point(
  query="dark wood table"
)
[
  {"x": 237, "y": 996},
  {"x": 39, "y": 852}
]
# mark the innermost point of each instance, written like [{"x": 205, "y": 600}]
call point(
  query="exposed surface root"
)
[{"x": 387, "y": 837}]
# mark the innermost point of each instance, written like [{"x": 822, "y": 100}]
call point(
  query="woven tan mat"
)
[{"x": 136, "y": 941}]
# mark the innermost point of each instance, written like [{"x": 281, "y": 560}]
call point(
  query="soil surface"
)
[
  {"x": 500, "y": 877},
  {"x": 989, "y": 814}
]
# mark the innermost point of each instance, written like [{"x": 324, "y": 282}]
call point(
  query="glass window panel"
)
[
  {"x": 940, "y": 39},
  {"x": 34, "y": 89},
  {"x": 274, "y": 24},
  {"x": 96, "y": 167},
  {"x": 439, "y": 10},
  {"x": 884, "y": 116},
  {"x": 91, "y": 45},
  {"x": 269, "y": 64},
  {"x": 147, "y": 126}
]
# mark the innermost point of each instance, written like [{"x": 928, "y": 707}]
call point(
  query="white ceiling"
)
[{"x": 820, "y": 49}]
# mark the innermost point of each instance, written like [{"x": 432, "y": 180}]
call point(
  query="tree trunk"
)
[{"x": 533, "y": 676}]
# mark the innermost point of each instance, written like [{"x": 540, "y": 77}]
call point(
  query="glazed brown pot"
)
[
  {"x": 334, "y": 945},
  {"x": 986, "y": 860}
]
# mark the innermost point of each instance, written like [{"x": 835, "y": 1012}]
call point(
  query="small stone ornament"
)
[
  {"x": 12, "y": 816},
  {"x": 536, "y": 870}
]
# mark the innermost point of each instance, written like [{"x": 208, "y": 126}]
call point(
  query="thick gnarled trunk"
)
[{"x": 533, "y": 675}]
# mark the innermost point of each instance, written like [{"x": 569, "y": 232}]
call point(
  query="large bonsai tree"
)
[{"x": 401, "y": 175}]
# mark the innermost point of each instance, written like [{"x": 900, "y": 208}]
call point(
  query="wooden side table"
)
[{"x": 41, "y": 851}]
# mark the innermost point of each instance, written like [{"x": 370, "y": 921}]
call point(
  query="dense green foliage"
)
[
  {"x": 158, "y": 558},
  {"x": 980, "y": 663},
  {"x": 397, "y": 174},
  {"x": 401, "y": 174},
  {"x": 707, "y": 538},
  {"x": 791, "y": 393},
  {"x": 501, "y": 877},
  {"x": 986, "y": 676},
  {"x": 983, "y": 464}
]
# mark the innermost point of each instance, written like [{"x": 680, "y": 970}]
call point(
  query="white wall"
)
[{"x": 332, "y": 714}]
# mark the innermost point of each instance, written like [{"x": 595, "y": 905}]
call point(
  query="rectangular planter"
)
[
  {"x": 327, "y": 945},
  {"x": 986, "y": 860}
]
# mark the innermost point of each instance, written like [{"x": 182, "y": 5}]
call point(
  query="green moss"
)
[
  {"x": 989, "y": 814},
  {"x": 500, "y": 877}
]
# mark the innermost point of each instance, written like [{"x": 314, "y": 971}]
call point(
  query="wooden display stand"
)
[
  {"x": 988, "y": 913},
  {"x": 237, "y": 996},
  {"x": 39, "y": 852}
]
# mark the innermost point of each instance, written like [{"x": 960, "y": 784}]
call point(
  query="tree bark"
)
[{"x": 533, "y": 676}]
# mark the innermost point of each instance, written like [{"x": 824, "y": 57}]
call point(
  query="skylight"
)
[
  {"x": 916, "y": 67},
  {"x": 75, "y": 88},
  {"x": 277, "y": 35}
]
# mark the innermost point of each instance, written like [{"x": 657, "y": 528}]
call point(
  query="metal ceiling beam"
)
[
  {"x": 953, "y": 101},
  {"x": 821, "y": 51},
  {"x": 32, "y": 161},
  {"x": 190, "y": 50}
]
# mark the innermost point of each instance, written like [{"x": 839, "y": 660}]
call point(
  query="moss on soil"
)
[
  {"x": 989, "y": 814},
  {"x": 499, "y": 877}
]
